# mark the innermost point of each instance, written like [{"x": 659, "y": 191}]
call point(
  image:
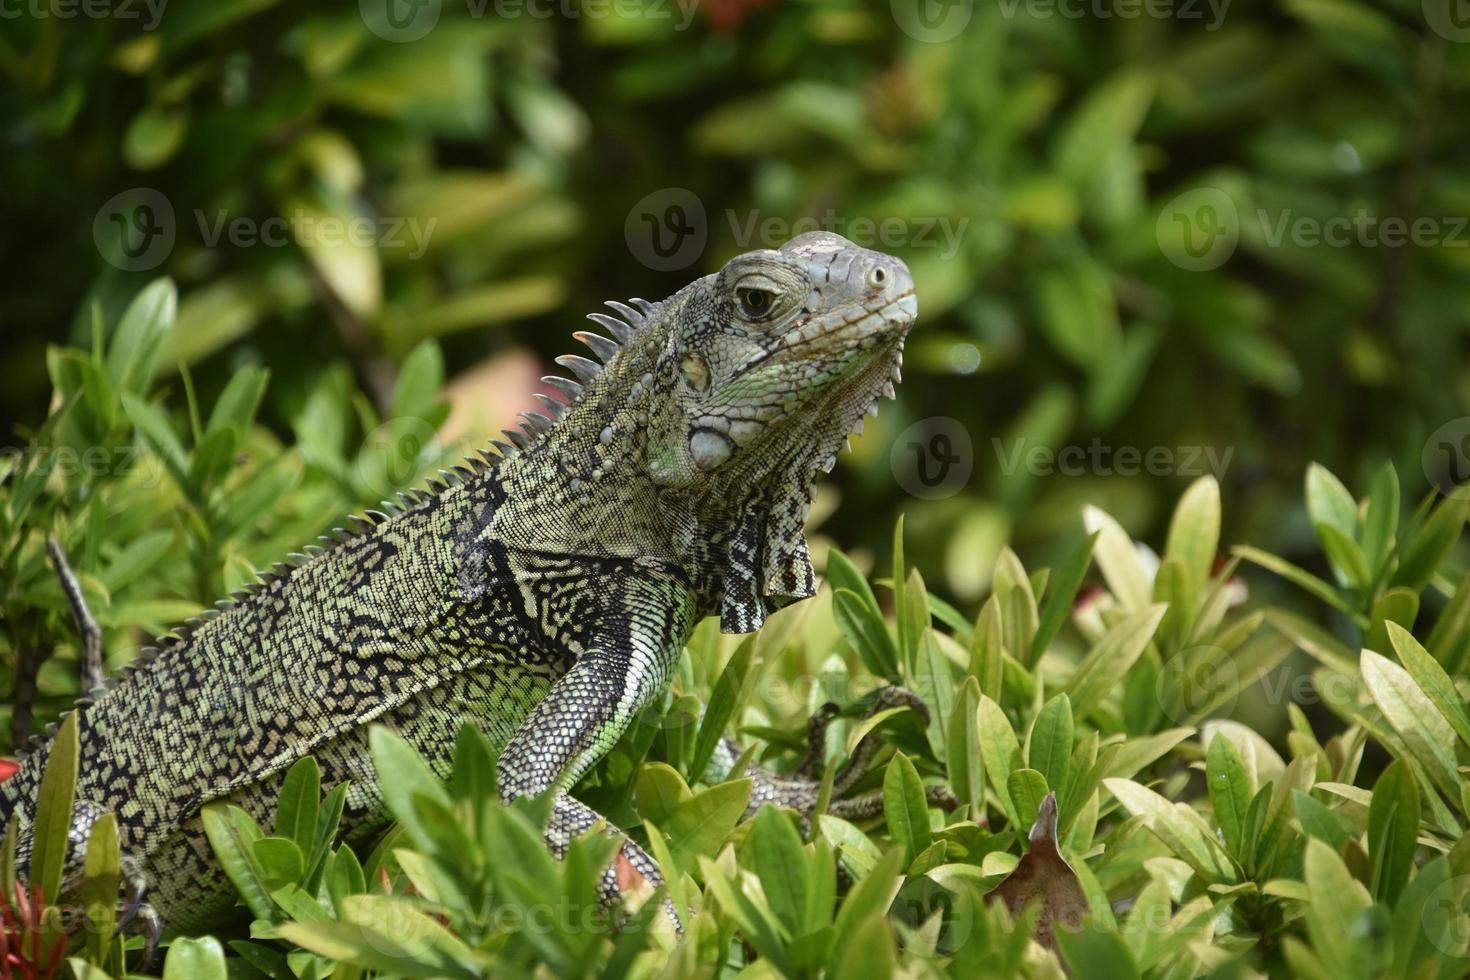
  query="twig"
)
[{"x": 92, "y": 672}]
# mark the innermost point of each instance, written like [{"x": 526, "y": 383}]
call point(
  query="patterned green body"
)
[{"x": 544, "y": 596}]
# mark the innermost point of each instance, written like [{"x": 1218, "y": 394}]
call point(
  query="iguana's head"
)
[
  {"x": 774, "y": 360},
  {"x": 698, "y": 438}
]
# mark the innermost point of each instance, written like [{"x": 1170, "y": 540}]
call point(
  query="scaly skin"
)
[{"x": 545, "y": 597}]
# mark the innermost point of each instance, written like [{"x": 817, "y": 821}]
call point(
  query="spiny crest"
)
[{"x": 629, "y": 321}]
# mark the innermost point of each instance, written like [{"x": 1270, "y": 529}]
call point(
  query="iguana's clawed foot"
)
[
  {"x": 801, "y": 789},
  {"x": 135, "y": 914}
]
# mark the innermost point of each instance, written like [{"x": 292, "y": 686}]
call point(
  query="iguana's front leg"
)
[{"x": 624, "y": 668}]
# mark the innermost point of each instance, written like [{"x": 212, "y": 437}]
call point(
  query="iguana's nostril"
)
[{"x": 878, "y": 278}]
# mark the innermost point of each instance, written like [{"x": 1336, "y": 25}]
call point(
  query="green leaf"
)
[
  {"x": 1318, "y": 821},
  {"x": 1329, "y": 502},
  {"x": 296, "y": 807},
  {"x": 237, "y": 404},
  {"x": 1381, "y": 521},
  {"x": 419, "y": 380},
  {"x": 1300, "y": 578},
  {"x": 905, "y": 807},
  {"x": 1194, "y": 533},
  {"x": 280, "y": 861},
  {"x": 1061, "y": 593},
  {"x": 133, "y": 354},
  {"x": 1432, "y": 679},
  {"x": 380, "y": 932},
  {"x": 962, "y": 747},
  {"x": 100, "y": 878},
  {"x": 1393, "y": 830},
  {"x": 1177, "y": 825},
  {"x": 1049, "y": 746},
  {"x": 1097, "y": 954},
  {"x": 1230, "y": 792},
  {"x": 1397, "y": 605},
  {"x": 702, "y": 824},
  {"x": 1423, "y": 553},
  {"x": 1112, "y": 658},
  {"x": 843, "y": 574},
  {"x": 232, "y": 835},
  {"x": 1001, "y": 750},
  {"x": 987, "y": 649},
  {"x": 1027, "y": 788},
  {"x": 151, "y": 421},
  {"x": 780, "y": 862},
  {"x": 864, "y": 627},
  {"x": 195, "y": 959},
  {"x": 871, "y": 896},
  {"x": 721, "y": 707},
  {"x": 1117, "y": 556},
  {"x": 870, "y": 952},
  {"x": 344, "y": 877},
  {"x": 1336, "y": 901},
  {"x": 54, "y": 801},
  {"x": 1411, "y": 714},
  {"x": 1345, "y": 555},
  {"x": 402, "y": 773}
]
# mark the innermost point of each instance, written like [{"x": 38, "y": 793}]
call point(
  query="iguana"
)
[{"x": 544, "y": 594}]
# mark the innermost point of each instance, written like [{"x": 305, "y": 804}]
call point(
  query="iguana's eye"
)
[{"x": 756, "y": 303}]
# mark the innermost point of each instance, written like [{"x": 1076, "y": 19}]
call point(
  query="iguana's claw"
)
[{"x": 135, "y": 912}]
